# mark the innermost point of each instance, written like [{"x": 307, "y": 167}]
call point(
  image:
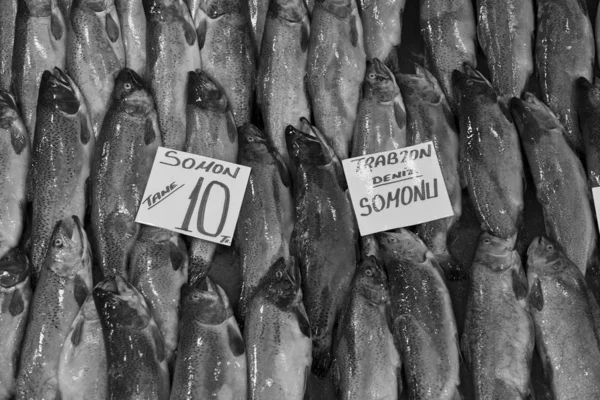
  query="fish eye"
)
[
  {"x": 369, "y": 272},
  {"x": 487, "y": 241},
  {"x": 469, "y": 83},
  {"x": 58, "y": 242},
  {"x": 127, "y": 86},
  {"x": 278, "y": 274},
  {"x": 196, "y": 296},
  {"x": 392, "y": 239},
  {"x": 250, "y": 139},
  {"x": 113, "y": 301},
  {"x": 371, "y": 76},
  {"x": 550, "y": 247},
  {"x": 527, "y": 109},
  {"x": 53, "y": 84}
]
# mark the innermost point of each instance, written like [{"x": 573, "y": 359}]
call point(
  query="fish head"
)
[
  {"x": 68, "y": 249},
  {"x": 402, "y": 244},
  {"x": 131, "y": 94},
  {"x": 93, "y": 5},
  {"x": 545, "y": 258},
  {"x": 14, "y": 269},
  {"x": 532, "y": 117},
  {"x": 471, "y": 84},
  {"x": 289, "y": 10},
  {"x": 380, "y": 81},
  {"x": 205, "y": 93},
  {"x": 422, "y": 86},
  {"x": 371, "y": 280},
  {"x": 205, "y": 302},
  {"x": 9, "y": 113},
  {"x": 307, "y": 145},
  {"x": 119, "y": 304},
  {"x": 254, "y": 143},
  {"x": 58, "y": 91},
  {"x": 216, "y": 8},
  {"x": 282, "y": 283},
  {"x": 496, "y": 253}
]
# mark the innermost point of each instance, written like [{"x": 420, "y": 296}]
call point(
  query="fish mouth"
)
[
  {"x": 204, "y": 92},
  {"x": 71, "y": 229},
  {"x": 57, "y": 89},
  {"x": 13, "y": 271},
  {"x": 249, "y": 133},
  {"x": 422, "y": 84},
  {"x": 136, "y": 99},
  {"x": 404, "y": 244},
  {"x": 307, "y": 145},
  {"x": 544, "y": 250},
  {"x": 210, "y": 299}
]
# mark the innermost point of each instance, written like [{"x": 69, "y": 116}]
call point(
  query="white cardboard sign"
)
[
  {"x": 596, "y": 196},
  {"x": 398, "y": 188},
  {"x": 194, "y": 195}
]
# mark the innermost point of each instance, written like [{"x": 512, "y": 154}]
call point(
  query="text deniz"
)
[{"x": 399, "y": 197}]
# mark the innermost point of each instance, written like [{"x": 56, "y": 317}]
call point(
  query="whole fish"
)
[
  {"x": 336, "y": 68},
  {"x": 158, "y": 270},
  {"x": 172, "y": 52},
  {"x": 228, "y": 53},
  {"x": 498, "y": 339},
  {"x": 266, "y": 219},
  {"x": 15, "y": 297},
  {"x": 564, "y": 51},
  {"x": 563, "y": 310},
  {"x": 494, "y": 178},
  {"x": 429, "y": 118},
  {"x": 82, "y": 366},
  {"x": 123, "y": 159},
  {"x": 95, "y": 54},
  {"x": 62, "y": 152},
  {"x": 135, "y": 351},
  {"x": 15, "y": 157},
  {"x": 211, "y": 361},
  {"x": 281, "y": 87},
  {"x": 505, "y": 32},
  {"x": 423, "y": 321},
  {"x": 133, "y": 30},
  {"x": 448, "y": 29},
  {"x": 277, "y": 335},
  {"x": 324, "y": 236},
  {"x": 382, "y": 28},
  {"x": 8, "y": 18},
  {"x": 559, "y": 177},
  {"x": 40, "y": 44},
  {"x": 588, "y": 107},
  {"x": 211, "y": 132},
  {"x": 366, "y": 364},
  {"x": 258, "y": 10},
  {"x": 65, "y": 282}
]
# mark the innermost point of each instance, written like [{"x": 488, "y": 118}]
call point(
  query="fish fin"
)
[
  {"x": 18, "y": 141},
  {"x": 86, "y": 130},
  {"x": 149, "y": 133},
  {"x": 160, "y": 344},
  {"x": 231, "y": 125},
  {"x": 77, "y": 331},
  {"x": 284, "y": 172},
  {"x": 399, "y": 112},
  {"x": 201, "y": 32},
  {"x": 304, "y": 35},
  {"x": 322, "y": 363},
  {"x": 177, "y": 256},
  {"x": 80, "y": 291},
  {"x": 306, "y": 375},
  {"x": 191, "y": 34},
  {"x": 505, "y": 110},
  {"x": 464, "y": 350},
  {"x": 335, "y": 372},
  {"x": 57, "y": 24},
  {"x": 519, "y": 284},
  {"x": 17, "y": 305},
  {"x": 353, "y": 31},
  {"x": 392, "y": 61},
  {"x": 536, "y": 297},
  {"x": 112, "y": 28},
  {"x": 236, "y": 342},
  {"x": 303, "y": 322}
]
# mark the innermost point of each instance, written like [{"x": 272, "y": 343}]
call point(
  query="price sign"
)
[
  {"x": 398, "y": 188},
  {"x": 194, "y": 195}
]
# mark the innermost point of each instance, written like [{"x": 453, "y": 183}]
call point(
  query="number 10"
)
[{"x": 201, "y": 212}]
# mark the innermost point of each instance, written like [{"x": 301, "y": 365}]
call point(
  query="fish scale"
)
[{"x": 7, "y": 40}]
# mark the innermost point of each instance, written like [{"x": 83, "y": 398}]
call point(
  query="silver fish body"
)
[
  {"x": 133, "y": 30},
  {"x": 258, "y": 10},
  {"x": 382, "y": 27},
  {"x": 7, "y": 40},
  {"x": 588, "y": 109}
]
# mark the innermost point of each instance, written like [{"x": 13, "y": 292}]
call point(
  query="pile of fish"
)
[{"x": 96, "y": 306}]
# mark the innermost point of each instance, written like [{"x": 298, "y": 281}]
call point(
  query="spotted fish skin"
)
[
  {"x": 15, "y": 158},
  {"x": 65, "y": 282},
  {"x": 172, "y": 51},
  {"x": 449, "y": 32},
  {"x": 588, "y": 108},
  {"x": 15, "y": 299},
  {"x": 135, "y": 350},
  {"x": 133, "y": 30},
  {"x": 40, "y": 44},
  {"x": 336, "y": 68},
  {"x": 565, "y": 316},
  {"x": 7, "y": 41},
  {"x": 211, "y": 360},
  {"x": 564, "y": 51},
  {"x": 123, "y": 159},
  {"x": 61, "y": 160},
  {"x": 498, "y": 338}
]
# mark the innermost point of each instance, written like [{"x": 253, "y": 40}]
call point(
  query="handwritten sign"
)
[
  {"x": 398, "y": 188},
  {"x": 194, "y": 195},
  {"x": 596, "y": 196}
]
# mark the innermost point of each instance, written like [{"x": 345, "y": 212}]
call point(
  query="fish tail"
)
[{"x": 321, "y": 363}]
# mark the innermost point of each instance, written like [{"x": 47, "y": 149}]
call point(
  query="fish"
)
[
  {"x": 281, "y": 90},
  {"x": 258, "y": 11},
  {"x": 40, "y": 45},
  {"x": 505, "y": 31},
  {"x": 211, "y": 361},
  {"x": 366, "y": 363},
  {"x": 82, "y": 366},
  {"x": 498, "y": 338},
  {"x": 65, "y": 8},
  {"x": 563, "y": 311},
  {"x": 228, "y": 52},
  {"x": 121, "y": 167},
  {"x": 588, "y": 108},
  {"x": 449, "y": 32},
  {"x": 64, "y": 284},
  {"x": 95, "y": 54},
  {"x": 382, "y": 28},
  {"x": 267, "y": 215},
  {"x": 494, "y": 179},
  {"x": 135, "y": 350},
  {"x": 7, "y": 40},
  {"x": 429, "y": 117},
  {"x": 423, "y": 322},
  {"x": 61, "y": 160},
  {"x": 564, "y": 51},
  {"x": 172, "y": 50},
  {"x": 324, "y": 238},
  {"x": 15, "y": 158},
  {"x": 211, "y": 132},
  {"x": 335, "y": 71},
  {"x": 559, "y": 178},
  {"x": 15, "y": 298},
  {"x": 277, "y": 334},
  {"x": 132, "y": 19},
  {"x": 158, "y": 270}
]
